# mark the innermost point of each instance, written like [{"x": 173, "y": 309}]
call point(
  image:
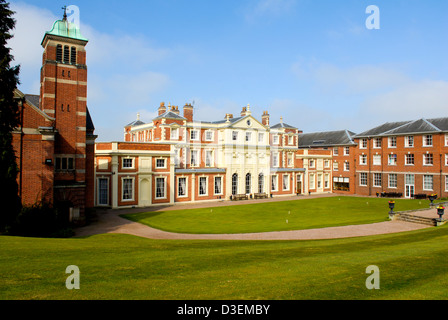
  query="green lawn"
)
[
  {"x": 412, "y": 266},
  {"x": 276, "y": 216}
]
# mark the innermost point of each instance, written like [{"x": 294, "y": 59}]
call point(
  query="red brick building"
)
[{"x": 55, "y": 142}]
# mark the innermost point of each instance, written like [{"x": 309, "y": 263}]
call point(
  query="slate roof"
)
[
  {"x": 170, "y": 115},
  {"x": 326, "y": 139},
  {"x": 408, "y": 127},
  {"x": 33, "y": 99},
  {"x": 135, "y": 123},
  {"x": 89, "y": 122},
  {"x": 282, "y": 125}
]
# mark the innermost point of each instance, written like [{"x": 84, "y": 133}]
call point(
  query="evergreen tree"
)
[{"x": 9, "y": 119}]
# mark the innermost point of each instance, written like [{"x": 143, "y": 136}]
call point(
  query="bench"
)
[
  {"x": 237, "y": 197},
  {"x": 260, "y": 196},
  {"x": 420, "y": 196},
  {"x": 391, "y": 194}
]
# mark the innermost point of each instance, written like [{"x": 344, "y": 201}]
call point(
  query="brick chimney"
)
[
  {"x": 188, "y": 112},
  {"x": 244, "y": 111},
  {"x": 175, "y": 109},
  {"x": 162, "y": 108},
  {"x": 265, "y": 118}
]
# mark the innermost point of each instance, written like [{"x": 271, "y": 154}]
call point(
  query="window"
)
[
  {"x": 346, "y": 166},
  {"x": 128, "y": 163},
  {"x": 177, "y": 157},
  {"x": 261, "y": 137},
  {"x": 335, "y": 166},
  {"x": 363, "y": 144},
  {"x": 392, "y": 142},
  {"x": 428, "y": 182},
  {"x": 446, "y": 140},
  {"x": 319, "y": 181},
  {"x": 377, "y": 160},
  {"x": 327, "y": 163},
  {"x": 260, "y": 183},
  {"x": 285, "y": 182},
  {"x": 410, "y": 179},
  {"x": 235, "y": 184},
  {"x": 363, "y": 179},
  {"x": 312, "y": 181},
  {"x": 428, "y": 159},
  {"x": 73, "y": 55},
  {"x": 409, "y": 142},
  {"x": 409, "y": 159},
  {"x": 312, "y": 163},
  {"x": 59, "y": 53},
  {"x": 392, "y": 159},
  {"x": 427, "y": 140},
  {"x": 202, "y": 186},
  {"x": 327, "y": 181},
  {"x": 194, "y": 135},
  {"x": 182, "y": 187},
  {"x": 234, "y": 135},
  {"x": 248, "y": 183},
  {"x": 291, "y": 140},
  {"x": 290, "y": 159},
  {"x": 393, "y": 180},
  {"x": 160, "y": 163},
  {"x": 128, "y": 189},
  {"x": 274, "y": 184},
  {"x": 174, "y": 134},
  {"x": 446, "y": 183},
  {"x": 209, "y": 158},
  {"x": 346, "y": 151},
  {"x": 66, "y": 54},
  {"x": 194, "y": 158},
  {"x": 446, "y": 159},
  {"x": 377, "y": 180},
  {"x": 218, "y": 185},
  {"x": 335, "y": 151},
  {"x": 160, "y": 188},
  {"x": 363, "y": 159},
  {"x": 103, "y": 191},
  {"x": 209, "y": 135},
  {"x": 377, "y": 143},
  {"x": 275, "y": 162},
  {"x": 64, "y": 164},
  {"x": 275, "y": 139},
  {"x": 248, "y": 136}
]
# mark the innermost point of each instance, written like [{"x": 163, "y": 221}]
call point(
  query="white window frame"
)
[
  {"x": 376, "y": 159},
  {"x": 290, "y": 159},
  {"x": 194, "y": 132},
  {"x": 164, "y": 196},
  {"x": 446, "y": 183},
  {"x": 209, "y": 132},
  {"x": 363, "y": 176},
  {"x": 392, "y": 160},
  {"x": 274, "y": 182},
  {"x": 326, "y": 163},
  {"x": 393, "y": 180},
  {"x": 286, "y": 178},
  {"x": 407, "y": 141},
  {"x": 336, "y": 151},
  {"x": 275, "y": 139},
  {"x": 346, "y": 151},
  {"x": 312, "y": 181},
  {"x": 207, "y": 163},
  {"x": 425, "y": 141},
  {"x": 214, "y": 186},
  {"x": 291, "y": 140},
  {"x": 446, "y": 159},
  {"x": 248, "y": 136},
  {"x": 128, "y": 168},
  {"x": 157, "y": 164},
  {"x": 426, "y": 158},
  {"x": 174, "y": 134},
  {"x": 346, "y": 166},
  {"x": 446, "y": 140},
  {"x": 335, "y": 166},
  {"x": 319, "y": 181},
  {"x": 363, "y": 159},
  {"x": 407, "y": 157},
  {"x": 197, "y": 158},
  {"x": 425, "y": 182},
  {"x": 363, "y": 144},
  {"x": 312, "y": 163},
  {"x": 132, "y": 189},
  {"x": 260, "y": 137},
  {"x": 326, "y": 181},
  {"x": 377, "y": 177},
  {"x": 234, "y": 135},
  {"x": 200, "y": 184},
  {"x": 186, "y": 187},
  {"x": 392, "y": 142},
  {"x": 99, "y": 191},
  {"x": 275, "y": 159},
  {"x": 377, "y": 142}
]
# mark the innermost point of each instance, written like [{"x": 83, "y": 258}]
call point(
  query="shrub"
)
[{"x": 42, "y": 220}]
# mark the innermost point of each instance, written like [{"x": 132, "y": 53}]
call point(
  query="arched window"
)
[
  {"x": 59, "y": 53},
  {"x": 260, "y": 183},
  {"x": 248, "y": 183},
  {"x": 73, "y": 56},
  {"x": 66, "y": 54},
  {"x": 235, "y": 184}
]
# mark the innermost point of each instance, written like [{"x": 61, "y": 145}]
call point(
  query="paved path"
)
[{"x": 109, "y": 221}]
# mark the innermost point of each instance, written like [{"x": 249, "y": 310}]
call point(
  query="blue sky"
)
[{"x": 312, "y": 62}]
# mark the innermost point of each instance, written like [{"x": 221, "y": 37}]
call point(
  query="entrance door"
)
[
  {"x": 410, "y": 191},
  {"x": 299, "y": 185}
]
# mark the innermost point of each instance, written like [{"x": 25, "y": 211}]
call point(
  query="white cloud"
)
[{"x": 269, "y": 8}]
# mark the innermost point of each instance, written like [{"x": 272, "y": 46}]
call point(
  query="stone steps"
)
[{"x": 416, "y": 219}]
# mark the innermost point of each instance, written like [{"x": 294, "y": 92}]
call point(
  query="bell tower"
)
[{"x": 63, "y": 96}]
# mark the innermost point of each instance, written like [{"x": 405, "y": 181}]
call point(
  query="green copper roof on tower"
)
[{"x": 63, "y": 28}]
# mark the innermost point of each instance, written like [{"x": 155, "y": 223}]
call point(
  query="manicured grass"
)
[
  {"x": 412, "y": 266},
  {"x": 276, "y": 216}
]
